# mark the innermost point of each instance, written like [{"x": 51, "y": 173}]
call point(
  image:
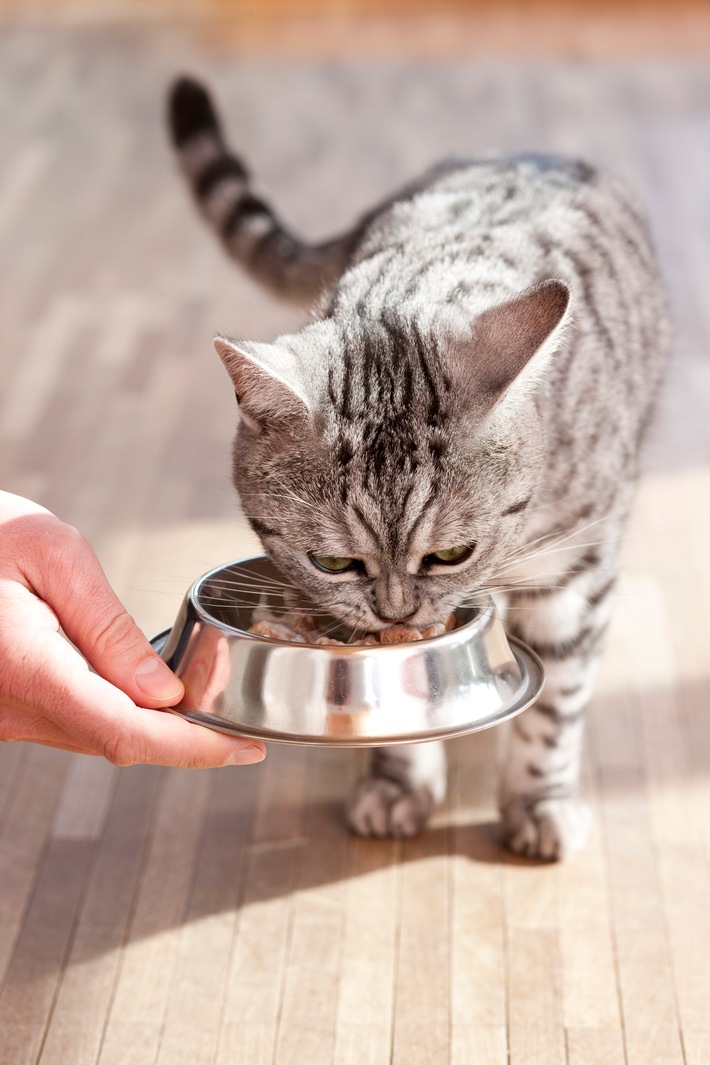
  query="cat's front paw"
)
[
  {"x": 380, "y": 807},
  {"x": 547, "y": 828}
]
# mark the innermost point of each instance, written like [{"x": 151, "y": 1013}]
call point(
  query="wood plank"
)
[
  {"x": 480, "y": 1044},
  {"x": 88, "y": 980},
  {"x": 423, "y": 978},
  {"x": 20, "y": 184},
  {"x": 32, "y": 977},
  {"x": 146, "y": 975},
  {"x": 254, "y": 983},
  {"x": 478, "y": 953},
  {"x": 26, "y": 401},
  {"x": 696, "y": 1045},
  {"x": 22, "y": 1042},
  {"x": 589, "y": 1046},
  {"x": 676, "y": 829},
  {"x": 645, "y": 975},
  {"x": 85, "y": 800},
  {"x": 206, "y": 939},
  {"x": 24, "y": 838},
  {"x": 368, "y": 956},
  {"x": 536, "y": 1026},
  {"x": 309, "y": 1006},
  {"x": 12, "y": 759},
  {"x": 588, "y": 968},
  {"x": 281, "y": 807},
  {"x": 645, "y": 972},
  {"x": 531, "y": 894},
  {"x": 367, "y": 964}
]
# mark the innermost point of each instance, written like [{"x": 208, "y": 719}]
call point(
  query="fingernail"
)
[
  {"x": 155, "y": 679},
  {"x": 246, "y": 756}
]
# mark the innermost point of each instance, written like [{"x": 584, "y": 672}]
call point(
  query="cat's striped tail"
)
[{"x": 248, "y": 228}]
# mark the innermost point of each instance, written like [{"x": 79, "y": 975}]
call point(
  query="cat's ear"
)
[
  {"x": 513, "y": 341},
  {"x": 266, "y": 381}
]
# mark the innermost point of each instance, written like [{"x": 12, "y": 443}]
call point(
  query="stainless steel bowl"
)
[{"x": 348, "y": 696}]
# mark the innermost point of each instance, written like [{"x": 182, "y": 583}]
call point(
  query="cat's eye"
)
[
  {"x": 449, "y": 556},
  {"x": 333, "y": 563}
]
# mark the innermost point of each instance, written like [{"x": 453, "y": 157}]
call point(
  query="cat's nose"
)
[
  {"x": 397, "y": 621},
  {"x": 395, "y": 600}
]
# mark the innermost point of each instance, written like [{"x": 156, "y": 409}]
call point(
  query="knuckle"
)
[
  {"x": 73, "y": 538},
  {"x": 119, "y": 748},
  {"x": 65, "y": 544},
  {"x": 115, "y": 633},
  {"x": 50, "y": 546},
  {"x": 197, "y": 757}
]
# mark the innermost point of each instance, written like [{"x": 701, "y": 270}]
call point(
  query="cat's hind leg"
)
[
  {"x": 398, "y": 794},
  {"x": 542, "y": 813}
]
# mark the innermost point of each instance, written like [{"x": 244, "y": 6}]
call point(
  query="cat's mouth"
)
[
  {"x": 420, "y": 619},
  {"x": 362, "y": 619}
]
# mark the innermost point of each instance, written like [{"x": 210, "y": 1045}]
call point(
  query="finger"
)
[
  {"x": 160, "y": 737},
  {"x": 104, "y": 720},
  {"x": 68, "y": 576}
]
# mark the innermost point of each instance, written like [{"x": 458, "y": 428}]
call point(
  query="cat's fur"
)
[{"x": 482, "y": 367}]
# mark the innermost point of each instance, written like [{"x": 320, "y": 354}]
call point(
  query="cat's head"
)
[{"x": 387, "y": 467}]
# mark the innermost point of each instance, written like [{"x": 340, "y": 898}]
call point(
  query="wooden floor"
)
[{"x": 167, "y": 917}]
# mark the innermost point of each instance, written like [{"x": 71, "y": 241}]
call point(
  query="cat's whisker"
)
[
  {"x": 545, "y": 552},
  {"x": 529, "y": 548},
  {"x": 240, "y": 601},
  {"x": 243, "y": 579},
  {"x": 524, "y": 584},
  {"x": 486, "y": 610},
  {"x": 156, "y": 591},
  {"x": 246, "y": 577},
  {"x": 290, "y": 494},
  {"x": 225, "y": 593},
  {"x": 567, "y": 534},
  {"x": 270, "y": 594},
  {"x": 252, "y": 582}
]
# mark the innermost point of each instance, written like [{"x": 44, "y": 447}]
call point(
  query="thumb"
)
[{"x": 69, "y": 578}]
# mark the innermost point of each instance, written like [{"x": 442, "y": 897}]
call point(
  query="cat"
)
[{"x": 464, "y": 413}]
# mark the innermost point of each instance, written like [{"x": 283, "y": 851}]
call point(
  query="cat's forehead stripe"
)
[
  {"x": 367, "y": 525},
  {"x": 394, "y": 529},
  {"x": 388, "y": 396}
]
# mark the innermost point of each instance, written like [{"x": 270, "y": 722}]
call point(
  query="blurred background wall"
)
[{"x": 514, "y": 27}]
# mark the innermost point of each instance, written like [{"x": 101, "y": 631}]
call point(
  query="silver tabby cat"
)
[{"x": 464, "y": 413}]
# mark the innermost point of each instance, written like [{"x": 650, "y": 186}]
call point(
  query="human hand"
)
[{"x": 50, "y": 578}]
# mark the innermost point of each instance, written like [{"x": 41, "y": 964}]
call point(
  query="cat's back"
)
[
  {"x": 464, "y": 203},
  {"x": 476, "y": 232},
  {"x": 471, "y": 235}
]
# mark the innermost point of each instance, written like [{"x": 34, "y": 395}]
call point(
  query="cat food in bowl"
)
[
  {"x": 279, "y": 683},
  {"x": 299, "y": 626}
]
